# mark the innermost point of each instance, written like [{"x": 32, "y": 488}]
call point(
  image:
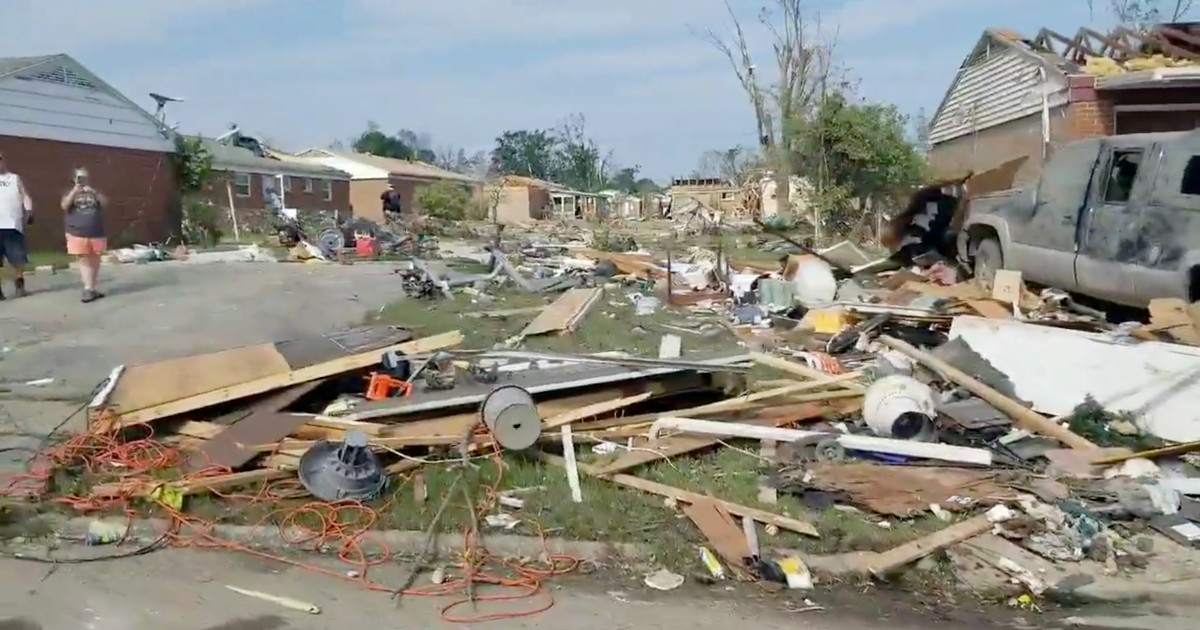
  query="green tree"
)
[
  {"x": 566, "y": 155},
  {"x": 404, "y": 145},
  {"x": 861, "y": 155},
  {"x": 444, "y": 200},
  {"x": 532, "y": 153}
]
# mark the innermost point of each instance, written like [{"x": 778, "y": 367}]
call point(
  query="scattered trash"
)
[
  {"x": 664, "y": 580},
  {"x": 286, "y": 602}
]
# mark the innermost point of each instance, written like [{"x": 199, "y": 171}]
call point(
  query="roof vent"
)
[{"x": 62, "y": 75}]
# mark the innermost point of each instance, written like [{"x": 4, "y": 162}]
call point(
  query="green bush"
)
[
  {"x": 444, "y": 200},
  {"x": 201, "y": 223}
]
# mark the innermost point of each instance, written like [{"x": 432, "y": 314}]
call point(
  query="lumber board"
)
[
  {"x": 668, "y": 447},
  {"x": 264, "y": 424},
  {"x": 278, "y": 381},
  {"x": 151, "y": 384},
  {"x": 678, "y": 494},
  {"x": 564, "y": 313}
]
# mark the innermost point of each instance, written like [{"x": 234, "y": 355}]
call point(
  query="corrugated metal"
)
[
  {"x": 993, "y": 91},
  {"x": 59, "y": 100}
]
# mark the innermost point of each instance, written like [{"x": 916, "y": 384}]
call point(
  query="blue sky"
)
[{"x": 306, "y": 72}]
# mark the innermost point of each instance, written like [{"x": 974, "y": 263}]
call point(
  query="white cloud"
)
[
  {"x": 34, "y": 27},
  {"x": 648, "y": 85}
]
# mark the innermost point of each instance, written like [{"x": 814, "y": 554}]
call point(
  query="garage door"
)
[{"x": 1148, "y": 122}]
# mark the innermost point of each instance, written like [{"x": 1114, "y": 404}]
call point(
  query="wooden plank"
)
[
  {"x": 591, "y": 411},
  {"x": 564, "y": 313},
  {"x": 1164, "y": 451},
  {"x": 152, "y": 384},
  {"x": 663, "y": 490},
  {"x": 668, "y": 447},
  {"x": 278, "y": 381},
  {"x": 264, "y": 424},
  {"x": 1022, "y": 416},
  {"x": 885, "y": 562},
  {"x": 727, "y": 537}
]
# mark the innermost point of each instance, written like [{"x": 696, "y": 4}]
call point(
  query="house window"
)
[
  {"x": 308, "y": 184},
  {"x": 268, "y": 184},
  {"x": 1122, "y": 172},
  {"x": 241, "y": 184},
  {"x": 1190, "y": 184},
  {"x": 327, "y": 189},
  {"x": 287, "y": 183}
]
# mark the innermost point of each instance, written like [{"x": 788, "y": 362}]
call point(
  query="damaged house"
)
[{"x": 1015, "y": 96}]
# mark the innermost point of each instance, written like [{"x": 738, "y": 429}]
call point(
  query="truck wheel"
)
[{"x": 988, "y": 260}]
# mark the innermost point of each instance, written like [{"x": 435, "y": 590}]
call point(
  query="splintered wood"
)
[{"x": 564, "y": 314}]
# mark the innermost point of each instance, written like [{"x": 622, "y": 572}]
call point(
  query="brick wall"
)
[{"x": 140, "y": 186}]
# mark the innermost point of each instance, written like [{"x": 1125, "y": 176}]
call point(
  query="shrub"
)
[{"x": 444, "y": 200}]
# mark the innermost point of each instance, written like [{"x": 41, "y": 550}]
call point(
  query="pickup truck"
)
[{"x": 1115, "y": 218}]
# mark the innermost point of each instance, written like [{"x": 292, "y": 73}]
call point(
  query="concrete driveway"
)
[{"x": 160, "y": 310}]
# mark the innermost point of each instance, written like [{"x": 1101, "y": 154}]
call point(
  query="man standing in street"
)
[
  {"x": 84, "y": 221},
  {"x": 16, "y": 211}
]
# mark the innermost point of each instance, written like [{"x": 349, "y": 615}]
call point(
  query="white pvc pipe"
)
[{"x": 904, "y": 448}]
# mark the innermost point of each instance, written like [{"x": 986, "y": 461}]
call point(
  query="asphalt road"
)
[
  {"x": 157, "y": 311},
  {"x": 185, "y": 590}
]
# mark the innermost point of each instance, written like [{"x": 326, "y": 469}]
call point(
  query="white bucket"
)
[{"x": 900, "y": 407}]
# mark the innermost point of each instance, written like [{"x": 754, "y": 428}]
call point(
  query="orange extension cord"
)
[{"x": 141, "y": 463}]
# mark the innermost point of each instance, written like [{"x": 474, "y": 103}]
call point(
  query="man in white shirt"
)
[{"x": 16, "y": 211}]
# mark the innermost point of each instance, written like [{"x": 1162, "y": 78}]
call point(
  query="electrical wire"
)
[{"x": 123, "y": 473}]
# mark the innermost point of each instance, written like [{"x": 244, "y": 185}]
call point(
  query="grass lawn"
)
[{"x": 608, "y": 512}]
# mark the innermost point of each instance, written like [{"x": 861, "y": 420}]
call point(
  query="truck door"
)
[
  {"x": 1110, "y": 215},
  {"x": 1043, "y": 243}
]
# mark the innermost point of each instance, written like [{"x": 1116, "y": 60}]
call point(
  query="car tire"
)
[{"x": 988, "y": 260}]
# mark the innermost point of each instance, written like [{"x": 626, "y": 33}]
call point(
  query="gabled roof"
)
[
  {"x": 1009, "y": 40},
  {"x": 231, "y": 158},
  {"x": 396, "y": 167},
  {"x": 66, "y": 69}
]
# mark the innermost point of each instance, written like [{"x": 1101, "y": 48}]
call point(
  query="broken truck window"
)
[
  {"x": 1190, "y": 182},
  {"x": 1121, "y": 175}
]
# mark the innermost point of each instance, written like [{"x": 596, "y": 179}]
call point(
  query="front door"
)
[{"x": 1110, "y": 216}]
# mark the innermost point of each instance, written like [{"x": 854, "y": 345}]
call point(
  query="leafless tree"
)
[
  {"x": 1143, "y": 13},
  {"x": 738, "y": 165},
  {"x": 804, "y": 64}
]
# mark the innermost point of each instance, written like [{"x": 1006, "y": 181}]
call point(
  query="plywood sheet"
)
[
  {"x": 152, "y": 384},
  {"x": 564, "y": 313},
  {"x": 265, "y": 424}
]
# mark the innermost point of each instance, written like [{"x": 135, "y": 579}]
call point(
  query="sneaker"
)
[
  {"x": 21, "y": 292},
  {"x": 89, "y": 295}
]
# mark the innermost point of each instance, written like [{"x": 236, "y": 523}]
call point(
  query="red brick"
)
[{"x": 140, "y": 186}]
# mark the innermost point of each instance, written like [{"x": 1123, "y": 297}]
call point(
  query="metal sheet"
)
[{"x": 564, "y": 378}]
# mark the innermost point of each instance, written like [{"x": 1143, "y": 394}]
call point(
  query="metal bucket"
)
[{"x": 512, "y": 416}]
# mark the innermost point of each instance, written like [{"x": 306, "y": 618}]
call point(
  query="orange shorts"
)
[{"x": 81, "y": 246}]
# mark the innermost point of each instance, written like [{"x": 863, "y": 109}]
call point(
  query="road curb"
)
[{"x": 378, "y": 542}]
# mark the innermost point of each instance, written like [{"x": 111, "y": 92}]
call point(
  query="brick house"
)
[
  {"x": 1016, "y": 97},
  {"x": 241, "y": 178},
  {"x": 370, "y": 175},
  {"x": 56, "y": 115}
]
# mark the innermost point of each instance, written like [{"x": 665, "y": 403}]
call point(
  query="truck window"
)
[
  {"x": 1190, "y": 184},
  {"x": 1122, "y": 172}
]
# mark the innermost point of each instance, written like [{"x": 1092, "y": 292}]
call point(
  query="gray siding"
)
[
  {"x": 997, "y": 85},
  {"x": 61, "y": 101}
]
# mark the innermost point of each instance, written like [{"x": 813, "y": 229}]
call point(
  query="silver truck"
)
[{"x": 1114, "y": 218}]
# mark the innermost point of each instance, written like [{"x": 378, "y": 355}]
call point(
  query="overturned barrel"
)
[{"x": 510, "y": 413}]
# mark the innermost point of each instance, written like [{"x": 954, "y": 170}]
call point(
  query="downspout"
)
[{"x": 1045, "y": 114}]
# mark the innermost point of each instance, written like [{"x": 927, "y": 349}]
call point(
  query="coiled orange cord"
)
[{"x": 145, "y": 462}]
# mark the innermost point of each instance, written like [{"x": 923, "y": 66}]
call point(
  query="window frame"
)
[
  {"x": 327, "y": 189},
  {"x": 308, "y": 184},
  {"x": 238, "y": 185},
  {"x": 1114, "y": 155}
]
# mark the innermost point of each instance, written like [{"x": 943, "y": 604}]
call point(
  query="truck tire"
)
[{"x": 988, "y": 260}]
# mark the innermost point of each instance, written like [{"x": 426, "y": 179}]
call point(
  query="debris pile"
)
[{"x": 1023, "y": 431}]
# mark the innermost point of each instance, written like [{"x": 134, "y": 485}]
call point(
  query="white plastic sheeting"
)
[{"x": 1055, "y": 369}]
